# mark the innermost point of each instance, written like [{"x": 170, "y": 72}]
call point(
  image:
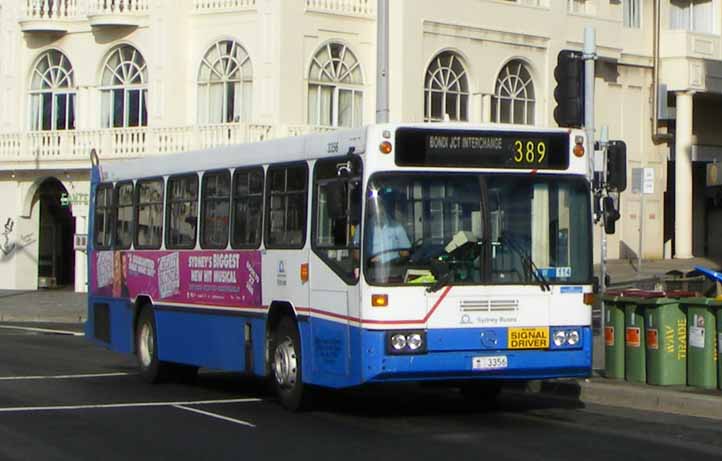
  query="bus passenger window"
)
[
  {"x": 337, "y": 211},
  {"x": 286, "y": 207},
  {"x": 149, "y": 214},
  {"x": 123, "y": 215},
  {"x": 247, "y": 208},
  {"x": 103, "y": 208},
  {"x": 182, "y": 211},
  {"x": 216, "y": 209}
]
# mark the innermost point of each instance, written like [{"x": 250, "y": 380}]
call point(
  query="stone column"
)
[
  {"x": 683, "y": 177},
  {"x": 81, "y": 257}
]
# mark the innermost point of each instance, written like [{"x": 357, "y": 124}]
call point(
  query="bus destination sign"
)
[{"x": 482, "y": 149}]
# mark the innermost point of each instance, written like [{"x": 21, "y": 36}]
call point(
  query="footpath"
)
[{"x": 66, "y": 306}]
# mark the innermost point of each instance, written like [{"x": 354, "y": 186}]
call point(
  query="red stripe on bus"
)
[
  {"x": 310, "y": 310},
  {"x": 438, "y": 302}
]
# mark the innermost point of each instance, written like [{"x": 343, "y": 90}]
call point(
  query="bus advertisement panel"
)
[{"x": 216, "y": 278}]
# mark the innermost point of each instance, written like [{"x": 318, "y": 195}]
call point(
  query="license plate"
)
[
  {"x": 528, "y": 338},
  {"x": 489, "y": 363}
]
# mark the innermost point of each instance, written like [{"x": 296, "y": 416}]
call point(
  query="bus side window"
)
[
  {"x": 123, "y": 207},
  {"x": 215, "y": 199},
  {"x": 149, "y": 214},
  {"x": 103, "y": 216},
  {"x": 247, "y": 208},
  {"x": 286, "y": 206},
  {"x": 337, "y": 214},
  {"x": 182, "y": 211}
]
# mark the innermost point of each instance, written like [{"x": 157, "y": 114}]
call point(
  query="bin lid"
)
[
  {"x": 681, "y": 294},
  {"x": 644, "y": 294}
]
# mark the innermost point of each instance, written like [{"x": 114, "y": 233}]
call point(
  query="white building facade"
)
[{"x": 132, "y": 78}]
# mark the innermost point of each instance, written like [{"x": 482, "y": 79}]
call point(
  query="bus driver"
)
[{"x": 389, "y": 239}]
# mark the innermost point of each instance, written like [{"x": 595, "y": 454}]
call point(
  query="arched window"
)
[
  {"x": 225, "y": 83},
  {"x": 52, "y": 93},
  {"x": 335, "y": 88},
  {"x": 513, "y": 100},
  {"x": 446, "y": 91},
  {"x": 124, "y": 89}
]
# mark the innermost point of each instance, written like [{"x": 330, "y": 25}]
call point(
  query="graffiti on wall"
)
[
  {"x": 6, "y": 247},
  {"x": 8, "y": 244}
]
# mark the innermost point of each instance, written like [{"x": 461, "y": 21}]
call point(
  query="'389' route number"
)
[{"x": 529, "y": 152}]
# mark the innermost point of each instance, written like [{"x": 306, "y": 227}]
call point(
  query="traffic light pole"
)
[
  {"x": 589, "y": 56},
  {"x": 382, "y": 62}
]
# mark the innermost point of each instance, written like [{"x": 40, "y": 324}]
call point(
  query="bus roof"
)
[
  {"x": 290, "y": 149},
  {"x": 306, "y": 147}
]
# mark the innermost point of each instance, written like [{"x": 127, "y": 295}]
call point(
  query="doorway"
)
[{"x": 56, "y": 256}]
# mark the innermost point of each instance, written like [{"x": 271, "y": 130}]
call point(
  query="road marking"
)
[
  {"x": 214, "y": 415},
  {"x": 123, "y": 405},
  {"x": 43, "y": 330},
  {"x": 96, "y": 375}
]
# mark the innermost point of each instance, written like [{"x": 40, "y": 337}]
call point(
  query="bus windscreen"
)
[{"x": 423, "y": 147}]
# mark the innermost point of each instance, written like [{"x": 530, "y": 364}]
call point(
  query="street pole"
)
[
  {"x": 382, "y": 62},
  {"x": 641, "y": 227},
  {"x": 589, "y": 55},
  {"x": 601, "y": 167}
]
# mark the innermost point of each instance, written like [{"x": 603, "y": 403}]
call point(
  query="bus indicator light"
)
[
  {"x": 385, "y": 147},
  {"x": 579, "y": 150},
  {"x": 304, "y": 272},
  {"x": 379, "y": 300}
]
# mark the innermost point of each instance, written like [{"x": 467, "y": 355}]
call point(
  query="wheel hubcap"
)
[
  {"x": 146, "y": 345},
  {"x": 285, "y": 364}
]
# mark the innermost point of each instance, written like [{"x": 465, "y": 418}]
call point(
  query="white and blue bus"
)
[{"x": 399, "y": 252}]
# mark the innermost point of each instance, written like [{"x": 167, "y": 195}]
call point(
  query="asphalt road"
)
[{"x": 62, "y": 398}]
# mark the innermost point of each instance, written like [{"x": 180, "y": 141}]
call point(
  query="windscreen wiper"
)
[
  {"x": 442, "y": 280},
  {"x": 528, "y": 261},
  {"x": 441, "y": 268}
]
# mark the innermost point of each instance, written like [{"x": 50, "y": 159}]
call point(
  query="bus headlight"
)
[
  {"x": 398, "y": 342},
  {"x": 566, "y": 338},
  {"x": 560, "y": 337},
  {"x": 405, "y": 342},
  {"x": 573, "y": 338},
  {"x": 414, "y": 341}
]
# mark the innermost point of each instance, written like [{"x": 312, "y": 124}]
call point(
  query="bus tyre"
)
[
  {"x": 286, "y": 373},
  {"x": 152, "y": 370}
]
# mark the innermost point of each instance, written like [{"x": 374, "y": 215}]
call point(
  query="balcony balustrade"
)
[
  {"x": 42, "y": 149},
  {"x": 56, "y": 15},
  {"x": 49, "y": 15},
  {"x": 360, "y": 8},
  {"x": 212, "y": 6},
  {"x": 125, "y": 13}
]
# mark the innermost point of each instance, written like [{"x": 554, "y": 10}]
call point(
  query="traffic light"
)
[
  {"x": 569, "y": 90},
  {"x": 611, "y": 215},
  {"x": 617, "y": 166}
]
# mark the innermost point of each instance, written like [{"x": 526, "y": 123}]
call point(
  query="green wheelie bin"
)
[
  {"x": 702, "y": 362},
  {"x": 613, "y": 303},
  {"x": 666, "y": 339},
  {"x": 635, "y": 363}
]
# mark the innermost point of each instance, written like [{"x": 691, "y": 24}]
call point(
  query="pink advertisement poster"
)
[{"x": 218, "y": 278}]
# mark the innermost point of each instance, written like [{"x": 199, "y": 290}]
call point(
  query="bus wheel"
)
[
  {"x": 152, "y": 370},
  {"x": 286, "y": 367}
]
